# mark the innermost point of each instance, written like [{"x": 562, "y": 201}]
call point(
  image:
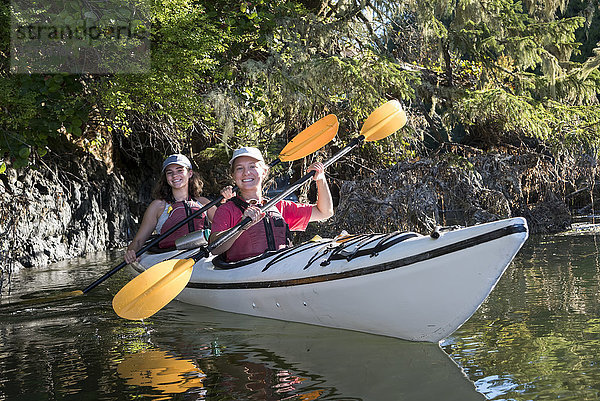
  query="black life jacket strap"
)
[
  {"x": 269, "y": 232},
  {"x": 188, "y": 211},
  {"x": 240, "y": 203}
]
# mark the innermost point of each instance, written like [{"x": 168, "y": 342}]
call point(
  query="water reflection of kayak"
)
[
  {"x": 355, "y": 365},
  {"x": 404, "y": 285}
]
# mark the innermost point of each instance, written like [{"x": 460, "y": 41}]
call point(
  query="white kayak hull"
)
[{"x": 400, "y": 285}]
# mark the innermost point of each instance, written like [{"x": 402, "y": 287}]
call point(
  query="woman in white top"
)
[{"x": 177, "y": 183}]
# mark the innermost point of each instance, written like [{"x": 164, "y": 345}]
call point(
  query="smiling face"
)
[
  {"x": 177, "y": 176},
  {"x": 248, "y": 173}
]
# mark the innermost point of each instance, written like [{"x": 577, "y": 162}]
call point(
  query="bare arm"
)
[
  {"x": 210, "y": 213},
  {"x": 324, "y": 206},
  {"x": 146, "y": 228},
  {"x": 225, "y": 246}
]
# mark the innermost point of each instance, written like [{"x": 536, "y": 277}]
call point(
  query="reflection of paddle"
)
[
  {"x": 150, "y": 291},
  {"x": 161, "y": 371},
  {"x": 306, "y": 142}
]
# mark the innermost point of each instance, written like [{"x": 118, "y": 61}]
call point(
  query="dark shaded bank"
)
[{"x": 78, "y": 206}]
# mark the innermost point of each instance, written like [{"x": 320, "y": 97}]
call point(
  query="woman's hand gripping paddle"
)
[{"x": 150, "y": 291}]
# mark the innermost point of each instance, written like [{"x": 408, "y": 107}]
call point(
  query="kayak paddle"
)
[
  {"x": 149, "y": 292},
  {"x": 384, "y": 121}
]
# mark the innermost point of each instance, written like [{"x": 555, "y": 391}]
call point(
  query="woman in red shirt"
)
[{"x": 269, "y": 230}]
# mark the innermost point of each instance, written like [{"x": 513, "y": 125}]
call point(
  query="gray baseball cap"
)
[
  {"x": 247, "y": 151},
  {"x": 177, "y": 158}
]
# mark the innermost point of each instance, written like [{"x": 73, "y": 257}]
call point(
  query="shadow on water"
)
[{"x": 77, "y": 348}]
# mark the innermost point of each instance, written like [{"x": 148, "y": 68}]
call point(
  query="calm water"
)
[{"x": 536, "y": 337}]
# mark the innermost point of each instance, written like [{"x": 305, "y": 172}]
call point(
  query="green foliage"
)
[
  {"x": 76, "y": 36},
  {"x": 260, "y": 71},
  {"x": 576, "y": 128},
  {"x": 564, "y": 127},
  {"x": 184, "y": 40},
  {"x": 506, "y": 112},
  {"x": 306, "y": 69},
  {"x": 39, "y": 109},
  {"x": 501, "y": 31},
  {"x": 506, "y": 65}
]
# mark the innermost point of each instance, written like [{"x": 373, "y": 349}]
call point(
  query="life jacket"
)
[
  {"x": 179, "y": 211},
  {"x": 269, "y": 235}
]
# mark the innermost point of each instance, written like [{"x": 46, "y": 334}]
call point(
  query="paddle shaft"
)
[
  {"x": 234, "y": 230},
  {"x": 163, "y": 236}
]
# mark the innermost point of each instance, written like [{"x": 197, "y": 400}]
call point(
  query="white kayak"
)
[{"x": 401, "y": 284}]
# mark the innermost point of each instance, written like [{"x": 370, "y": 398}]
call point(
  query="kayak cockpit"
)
[{"x": 345, "y": 247}]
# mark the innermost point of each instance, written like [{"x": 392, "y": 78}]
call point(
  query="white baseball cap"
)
[
  {"x": 247, "y": 151},
  {"x": 179, "y": 159}
]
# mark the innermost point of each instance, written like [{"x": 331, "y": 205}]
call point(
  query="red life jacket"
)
[
  {"x": 269, "y": 235},
  {"x": 177, "y": 212}
]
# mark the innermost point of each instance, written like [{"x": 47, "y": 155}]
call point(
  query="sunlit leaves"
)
[{"x": 561, "y": 126}]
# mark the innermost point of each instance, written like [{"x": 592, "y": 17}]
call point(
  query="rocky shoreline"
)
[{"x": 55, "y": 213}]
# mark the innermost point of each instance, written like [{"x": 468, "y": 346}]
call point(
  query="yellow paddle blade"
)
[
  {"x": 385, "y": 120},
  {"x": 146, "y": 294},
  {"x": 311, "y": 139}
]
